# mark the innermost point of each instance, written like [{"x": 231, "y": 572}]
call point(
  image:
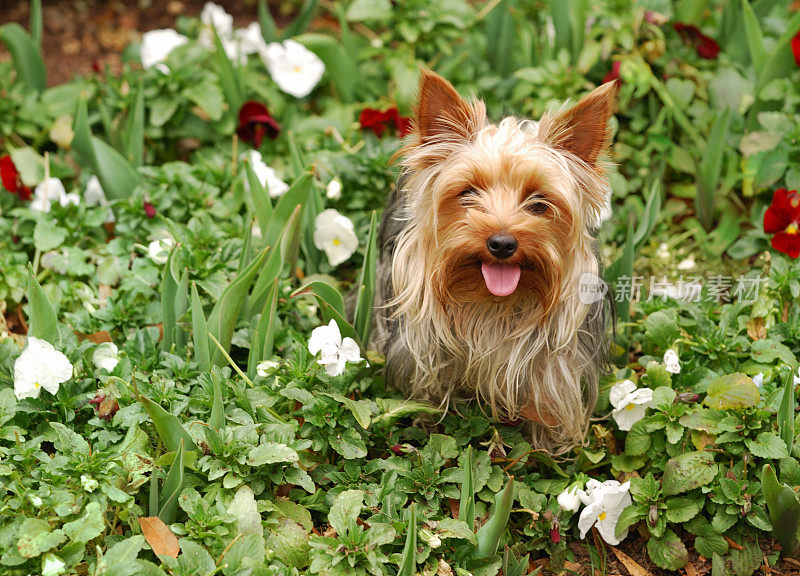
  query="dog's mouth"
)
[{"x": 501, "y": 278}]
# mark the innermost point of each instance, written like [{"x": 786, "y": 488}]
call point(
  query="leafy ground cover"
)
[{"x": 183, "y": 392}]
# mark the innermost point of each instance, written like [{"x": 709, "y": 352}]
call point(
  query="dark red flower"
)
[
  {"x": 555, "y": 532},
  {"x": 12, "y": 180},
  {"x": 613, "y": 74},
  {"x": 782, "y": 218},
  {"x": 149, "y": 210},
  {"x": 378, "y": 122},
  {"x": 796, "y": 48},
  {"x": 706, "y": 46},
  {"x": 255, "y": 123},
  {"x": 105, "y": 405}
]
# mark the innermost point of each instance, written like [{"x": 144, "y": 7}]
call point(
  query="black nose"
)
[{"x": 501, "y": 245}]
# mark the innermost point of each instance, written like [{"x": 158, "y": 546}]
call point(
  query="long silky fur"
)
[{"x": 507, "y": 354}]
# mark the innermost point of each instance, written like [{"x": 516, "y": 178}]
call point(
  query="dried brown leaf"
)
[{"x": 159, "y": 536}]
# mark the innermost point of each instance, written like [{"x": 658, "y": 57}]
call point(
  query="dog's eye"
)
[
  {"x": 536, "y": 208},
  {"x": 468, "y": 197}
]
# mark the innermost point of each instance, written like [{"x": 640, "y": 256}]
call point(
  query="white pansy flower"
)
[
  {"x": 250, "y": 39},
  {"x": 335, "y": 235},
  {"x": 687, "y": 263},
  {"x": 106, "y": 356},
  {"x": 672, "y": 362},
  {"x": 94, "y": 195},
  {"x": 663, "y": 251},
  {"x": 758, "y": 380},
  {"x": 266, "y": 368},
  {"x": 606, "y": 502},
  {"x": 52, "y": 565},
  {"x": 629, "y": 402},
  {"x": 89, "y": 484},
  {"x": 40, "y": 366},
  {"x": 266, "y": 175},
  {"x": 293, "y": 67},
  {"x": 334, "y": 351},
  {"x": 214, "y": 16},
  {"x": 158, "y": 250},
  {"x": 569, "y": 499},
  {"x": 156, "y": 46},
  {"x": 35, "y": 500},
  {"x": 334, "y": 189},
  {"x": 796, "y": 379},
  {"x": 52, "y": 190}
]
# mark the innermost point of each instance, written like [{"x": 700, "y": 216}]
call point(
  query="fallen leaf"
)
[
  {"x": 96, "y": 337},
  {"x": 732, "y": 544},
  {"x": 159, "y": 536},
  {"x": 631, "y": 565},
  {"x": 690, "y": 570}
]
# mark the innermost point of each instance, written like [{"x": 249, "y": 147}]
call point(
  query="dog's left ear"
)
[{"x": 583, "y": 129}]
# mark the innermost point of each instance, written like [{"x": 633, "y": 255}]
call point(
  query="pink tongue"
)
[{"x": 501, "y": 279}]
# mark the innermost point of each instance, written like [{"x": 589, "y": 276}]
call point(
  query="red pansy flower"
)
[
  {"x": 613, "y": 74},
  {"x": 782, "y": 218},
  {"x": 11, "y": 178},
  {"x": 378, "y": 122},
  {"x": 149, "y": 209},
  {"x": 796, "y": 48},
  {"x": 706, "y": 46},
  {"x": 255, "y": 123}
]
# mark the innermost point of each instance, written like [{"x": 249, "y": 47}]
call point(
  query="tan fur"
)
[{"x": 530, "y": 354}]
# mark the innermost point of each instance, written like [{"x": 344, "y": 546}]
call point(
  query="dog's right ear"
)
[{"x": 442, "y": 114}]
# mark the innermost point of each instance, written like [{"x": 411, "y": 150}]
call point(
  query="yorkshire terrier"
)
[{"x": 487, "y": 243}]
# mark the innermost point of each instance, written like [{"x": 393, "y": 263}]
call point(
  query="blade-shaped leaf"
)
[
  {"x": 710, "y": 169},
  {"x": 365, "y": 302},
  {"x": 466, "y": 506},
  {"x": 408, "y": 564},
  {"x": 117, "y": 176},
  {"x": 297, "y": 195},
  {"x": 37, "y": 23},
  {"x": 489, "y": 534},
  {"x": 169, "y": 428},
  {"x": 622, "y": 269},
  {"x": 202, "y": 352},
  {"x": 42, "y": 321},
  {"x": 224, "y": 315},
  {"x": 786, "y": 410},
  {"x": 173, "y": 484},
  {"x": 301, "y": 21},
  {"x": 169, "y": 288},
  {"x": 262, "y": 205},
  {"x": 26, "y": 56},
  {"x": 181, "y": 307},
  {"x": 229, "y": 78},
  {"x": 134, "y": 129},
  {"x": 783, "y": 506},
  {"x": 339, "y": 64},
  {"x": 755, "y": 39},
  {"x": 217, "y": 418},
  {"x": 264, "y": 336},
  {"x": 268, "y": 28}
]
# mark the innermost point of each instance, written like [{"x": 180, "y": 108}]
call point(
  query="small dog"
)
[{"x": 485, "y": 245}]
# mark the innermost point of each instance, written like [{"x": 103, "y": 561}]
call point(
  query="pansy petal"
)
[{"x": 787, "y": 243}]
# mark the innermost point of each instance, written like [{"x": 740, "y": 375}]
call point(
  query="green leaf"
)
[
  {"x": 783, "y": 506},
  {"x": 755, "y": 39},
  {"x": 202, "y": 352},
  {"x": 224, "y": 315},
  {"x": 768, "y": 351},
  {"x": 87, "y": 527},
  {"x": 450, "y": 528},
  {"x": 26, "y": 56},
  {"x": 217, "y": 418},
  {"x": 489, "y": 534},
  {"x": 169, "y": 427},
  {"x": 34, "y": 538},
  {"x": 169, "y": 288},
  {"x": 36, "y": 23},
  {"x": 623, "y": 268},
  {"x": 466, "y": 507},
  {"x": 349, "y": 444},
  {"x": 296, "y": 195},
  {"x": 228, "y": 76},
  {"x": 302, "y": 20},
  {"x": 345, "y": 510},
  {"x": 392, "y": 409},
  {"x": 408, "y": 562},
  {"x": 121, "y": 555},
  {"x": 47, "y": 235},
  {"x": 638, "y": 440},
  {"x": 29, "y": 164},
  {"x": 269, "y": 30},
  {"x": 117, "y": 176},
  {"x": 630, "y": 516},
  {"x": 369, "y": 11},
  {"x": 69, "y": 441},
  {"x": 365, "y": 289},
  {"x": 767, "y": 445},
  {"x": 289, "y": 541},
  {"x": 264, "y": 335},
  {"x": 331, "y": 304},
  {"x": 682, "y": 509},
  {"x": 786, "y": 410},
  {"x": 359, "y": 408},
  {"x": 710, "y": 168},
  {"x": 661, "y": 329},
  {"x": 262, "y": 204},
  {"x": 42, "y": 321},
  {"x": 667, "y": 552},
  {"x": 173, "y": 485},
  {"x": 271, "y": 453},
  {"x": 134, "y": 129},
  {"x": 688, "y": 471},
  {"x": 732, "y": 392}
]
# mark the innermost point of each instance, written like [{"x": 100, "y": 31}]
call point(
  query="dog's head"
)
[{"x": 501, "y": 209}]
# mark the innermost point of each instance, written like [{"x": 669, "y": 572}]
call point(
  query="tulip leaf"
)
[
  {"x": 217, "y": 418},
  {"x": 229, "y": 78},
  {"x": 181, "y": 307},
  {"x": 755, "y": 38},
  {"x": 223, "y": 317},
  {"x": 489, "y": 534},
  {"x": 261, "y": 201},
  {"x": 466, "y": 507},
  {"x": 36, "y": 23},
  {"x": 26, "y": 56},
  {"x": 408, "y": 562},
  {"x": 169, "y": 428},
  {"x": 264, "y": 335},
  {"x": 42, "y": 320},
  {"x": 173, "y": 484},
  {"x": 365, "y": 302},
  {"x": 117, "y": 176},
  {"x": 269, "y": 31},
  {"x": 783, "y": 506},
  {"x": 302, "y": 20},
  {"x": 710, "y": 168},
  {"x": 202, "y": 351},
  {"x": 339, "y": 63},
  {"x": 275, "y": 263},
  {"x": 786, "y": 410},
  {"x": 297, "y": 195},
  {"x": 169, "y": 288},
  {"x": 134, "y": 129}
]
